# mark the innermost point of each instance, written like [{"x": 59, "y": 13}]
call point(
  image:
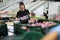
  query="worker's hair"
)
[{"x": 21, "y": 3}]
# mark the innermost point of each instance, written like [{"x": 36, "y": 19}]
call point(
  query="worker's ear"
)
[{"x": 50, "y": 36}]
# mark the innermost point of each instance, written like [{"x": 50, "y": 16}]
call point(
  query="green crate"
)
[
  {"x": 3, "y": 30},
  {"x": 32, "y": 35},
  {"x": 18, "y": 30},
  {"x": 34, "y": 28}
]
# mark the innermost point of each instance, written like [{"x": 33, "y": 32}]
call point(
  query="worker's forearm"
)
[{"x": 50, "y": 36}]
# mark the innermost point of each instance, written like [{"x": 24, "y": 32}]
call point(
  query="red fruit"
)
[
  {"x": 38, "y": 24},
  {"x": 24, "y": 27},
  {"x": 43, "y": 25},
  {"x": 33, "y": 24},
  {"x": 47, "y": 23}
]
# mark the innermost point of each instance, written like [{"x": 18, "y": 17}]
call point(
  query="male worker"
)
[
  {"x": 23, "y": 14},
  {"x": 46, "y": 15}
]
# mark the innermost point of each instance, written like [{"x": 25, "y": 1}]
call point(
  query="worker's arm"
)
[{"x": 50, "y": 36}]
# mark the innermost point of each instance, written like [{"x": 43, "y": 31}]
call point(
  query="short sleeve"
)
[
  {"x": 28, "y": 12},
  {"x": 17, "y": 15}
]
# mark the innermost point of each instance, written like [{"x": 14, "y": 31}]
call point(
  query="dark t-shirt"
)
[{"x": 22, "y": 13}]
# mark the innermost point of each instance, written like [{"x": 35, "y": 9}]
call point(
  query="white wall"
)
[
  {"x": 53, "y": 9},
  {"x": 39, "y": 11},
  {"x": 5, "y": 0},
  {"x": 27, "y": 1}
]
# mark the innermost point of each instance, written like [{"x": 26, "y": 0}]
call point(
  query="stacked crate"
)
[
  {"x": 3, "y": 29},
  {"x": 18, "y": 29}
]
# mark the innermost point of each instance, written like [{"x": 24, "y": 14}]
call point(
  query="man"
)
[
  {"x": 45, "y": 14},
  {"x": 23, "y": 14}
]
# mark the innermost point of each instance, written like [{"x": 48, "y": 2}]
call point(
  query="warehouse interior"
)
[{"x": 43, "y": 22}]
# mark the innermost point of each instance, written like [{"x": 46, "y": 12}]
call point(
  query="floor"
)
[{"x": 11, "y": 38}]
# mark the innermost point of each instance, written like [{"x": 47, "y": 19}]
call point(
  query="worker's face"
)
[{"x": 22, "y": 7}]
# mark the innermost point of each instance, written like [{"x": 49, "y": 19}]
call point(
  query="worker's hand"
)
[
  {"x": 50, "y": 36},
  {"x": 25, "y": 17}
]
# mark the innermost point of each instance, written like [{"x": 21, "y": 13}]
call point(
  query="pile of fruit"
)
[{"x": 43, "y": 25}]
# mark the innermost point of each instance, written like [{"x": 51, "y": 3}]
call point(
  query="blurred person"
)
[
  {"x": 53, "y": 34},
  {"x": 45, "y": 15},
  {"x": 23, "y": 14}
]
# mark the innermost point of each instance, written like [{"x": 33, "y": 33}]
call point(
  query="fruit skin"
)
[
  {"x": 24, "y": 27},
  {"x": 47, "y": 24},
  {"x": 44, "y": 24},
  {"x": 38, "y": 24},
  {"x": 33, "y": 20}
]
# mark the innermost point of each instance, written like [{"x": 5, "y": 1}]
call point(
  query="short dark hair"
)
[{"x": 21, "y": 3}]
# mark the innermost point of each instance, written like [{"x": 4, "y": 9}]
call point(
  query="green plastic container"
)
[
  {"x": 32, "y": 35},
  {"x": 3, "y": 30},
  {"x": 34, "y": 28},
  {"x": 18, "y": 30}
]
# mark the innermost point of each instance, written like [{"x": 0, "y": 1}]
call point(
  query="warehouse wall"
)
[
  {"x": 39, "y": 11},
  {"x": 28, "y": 1},
  {"x": 53, "y": 8},
  {"x": 5, "y": 0}
]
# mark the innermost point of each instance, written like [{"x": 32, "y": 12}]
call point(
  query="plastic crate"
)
[
  {"x": 3, "y": 30},
  {"x": 34, "y": 28},
  {"x": 18, "y": 30},
  {"x": 32, "y": 35}
]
